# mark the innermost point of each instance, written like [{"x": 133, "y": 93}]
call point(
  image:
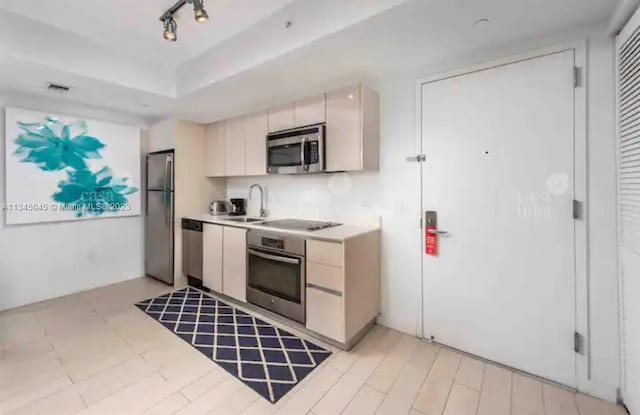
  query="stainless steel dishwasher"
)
[{"x": 192, "y": 251}]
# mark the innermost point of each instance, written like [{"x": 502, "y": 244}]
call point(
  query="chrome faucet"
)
[{"x": 263, "y": 211}]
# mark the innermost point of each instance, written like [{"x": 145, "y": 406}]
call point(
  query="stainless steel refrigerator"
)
[{"x": 159, "y": 221}]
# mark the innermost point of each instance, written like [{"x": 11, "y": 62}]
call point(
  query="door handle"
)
[
  {"x": 417, "y": 158},
  {"x": 166, "y": 187},
  {"x": 437, "y": 232}
]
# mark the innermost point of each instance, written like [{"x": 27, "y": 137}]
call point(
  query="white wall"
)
[
  {"x": 42, "y": 261},
  {"x": 394, "y": 194}
]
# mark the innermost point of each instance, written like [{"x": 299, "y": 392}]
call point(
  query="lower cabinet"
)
[
  {"x": 224, "y": 265},
  {"x": 342, "y": 279},
  {"x": 325, "y": 313},
  {"x": 212, "y": 256},
  {"x": 234, "y": 263},
  {"x": 343, "y": 286}
]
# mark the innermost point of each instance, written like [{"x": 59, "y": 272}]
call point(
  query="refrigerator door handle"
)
[{"x": 166, "y": 200}]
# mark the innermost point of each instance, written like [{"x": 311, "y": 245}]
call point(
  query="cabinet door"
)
[
  {"x": 214, "y": 150},
  {"x": 234, "y": 263},
  {"x": 309, "y": 111},
  {"x": 212, "y": 257},
  {"x": 255, "y": 144},
  {"x": 344, "y": 130},
  {"x": 234, "y": 147},
  {"x": 325, "y": 314},
  {"x": 281, "y": 118}
]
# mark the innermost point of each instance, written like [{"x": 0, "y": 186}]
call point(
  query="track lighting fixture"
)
[
  {"x": 199, "y": 12},
  {"x": 170, "y": 29},
  {"x": 169, "y": 22}
]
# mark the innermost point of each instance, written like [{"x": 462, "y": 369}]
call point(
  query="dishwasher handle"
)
[{"x": 191, "y": 225}]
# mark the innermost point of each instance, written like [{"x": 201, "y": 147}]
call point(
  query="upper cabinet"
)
[
  {"x": 309, "y": 111},
  {"x": 214, "y": 150},
  {"x": 234, "y": 145},
  {"x": 237, "y": 147},
  {"x": 353, "y": 132},
  {"x": 281, "y": 118},
  {"x": 255, "y": 151}
]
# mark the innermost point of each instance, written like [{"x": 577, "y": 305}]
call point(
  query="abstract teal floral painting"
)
[
  {"x": 52, "y": 145},
  {"x": 65, "y": 168},
  {"x": 87, "y": 193}
]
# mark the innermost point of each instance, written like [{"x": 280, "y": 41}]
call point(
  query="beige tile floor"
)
[{"x": 94, "y": 353}]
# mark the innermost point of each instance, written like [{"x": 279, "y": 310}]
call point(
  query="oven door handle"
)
[{"x": 277, "y": 258}]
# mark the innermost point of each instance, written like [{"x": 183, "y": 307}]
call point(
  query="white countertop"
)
[{"x": 335, "y": 234}]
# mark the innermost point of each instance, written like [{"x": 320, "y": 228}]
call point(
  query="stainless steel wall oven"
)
[{"x": 276, "y": 273}]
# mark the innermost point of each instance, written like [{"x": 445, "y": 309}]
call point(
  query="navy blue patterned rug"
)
[{"x": 268, "y": 359}]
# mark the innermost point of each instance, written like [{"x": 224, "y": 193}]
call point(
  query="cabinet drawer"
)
[
  {"x": 325, "y": 276},
  {"x": 325, "y": 314},
  {"x": 326, "y": 253}
]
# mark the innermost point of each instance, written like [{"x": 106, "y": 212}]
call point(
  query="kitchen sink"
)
[{"x": 245, "y": 220}]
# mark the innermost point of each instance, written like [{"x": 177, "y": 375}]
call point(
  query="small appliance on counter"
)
[
  {"x": 219, "y": 207},
  {"x": 238, "y": 207}
]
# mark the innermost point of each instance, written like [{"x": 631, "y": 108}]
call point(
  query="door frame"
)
[{"x": 581, "y": 234}]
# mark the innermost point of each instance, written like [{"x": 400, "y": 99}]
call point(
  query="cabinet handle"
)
[{"x": 326, "y": 290}]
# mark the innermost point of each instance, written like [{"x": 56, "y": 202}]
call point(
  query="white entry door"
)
[{"x": 499, "y": 172}]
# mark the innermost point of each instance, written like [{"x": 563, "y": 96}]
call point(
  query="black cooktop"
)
[{"x": 299, "y": 224}]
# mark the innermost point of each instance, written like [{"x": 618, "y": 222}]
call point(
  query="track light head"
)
[
  {"x": 200, "y": 13},
  {"x": 169, "y": 23},
  {"x": 170, "y": 29}
]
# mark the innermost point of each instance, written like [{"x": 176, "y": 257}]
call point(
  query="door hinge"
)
[
  {"x": 417, "y": 158},
  {"x": 577, "y": 209},
  {"x": 576, "y": 76},
  {"x": 578, "y": 343}
]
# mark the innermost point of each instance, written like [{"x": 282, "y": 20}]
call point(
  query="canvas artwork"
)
[{"x": 61, "y": 168}]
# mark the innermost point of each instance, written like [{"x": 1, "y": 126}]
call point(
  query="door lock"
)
[{"x": 431, "y": 233}]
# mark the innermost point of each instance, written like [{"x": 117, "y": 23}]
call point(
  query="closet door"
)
[{"x": 628, "y": 64}]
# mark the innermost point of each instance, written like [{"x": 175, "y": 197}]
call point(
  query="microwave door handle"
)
[
  {"x": 277, "y": 258},
  {"x": 303, "y": 157}
]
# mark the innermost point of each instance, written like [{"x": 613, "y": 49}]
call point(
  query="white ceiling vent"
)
[{"x": 58, "y": 87}]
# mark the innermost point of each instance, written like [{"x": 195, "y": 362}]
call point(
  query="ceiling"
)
[
  {"x": 331, "y": 43},
  {"x": 134, "y": 29}
]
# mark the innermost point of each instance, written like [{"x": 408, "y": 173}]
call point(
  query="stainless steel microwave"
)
[{"x": 296, "y": 151}]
